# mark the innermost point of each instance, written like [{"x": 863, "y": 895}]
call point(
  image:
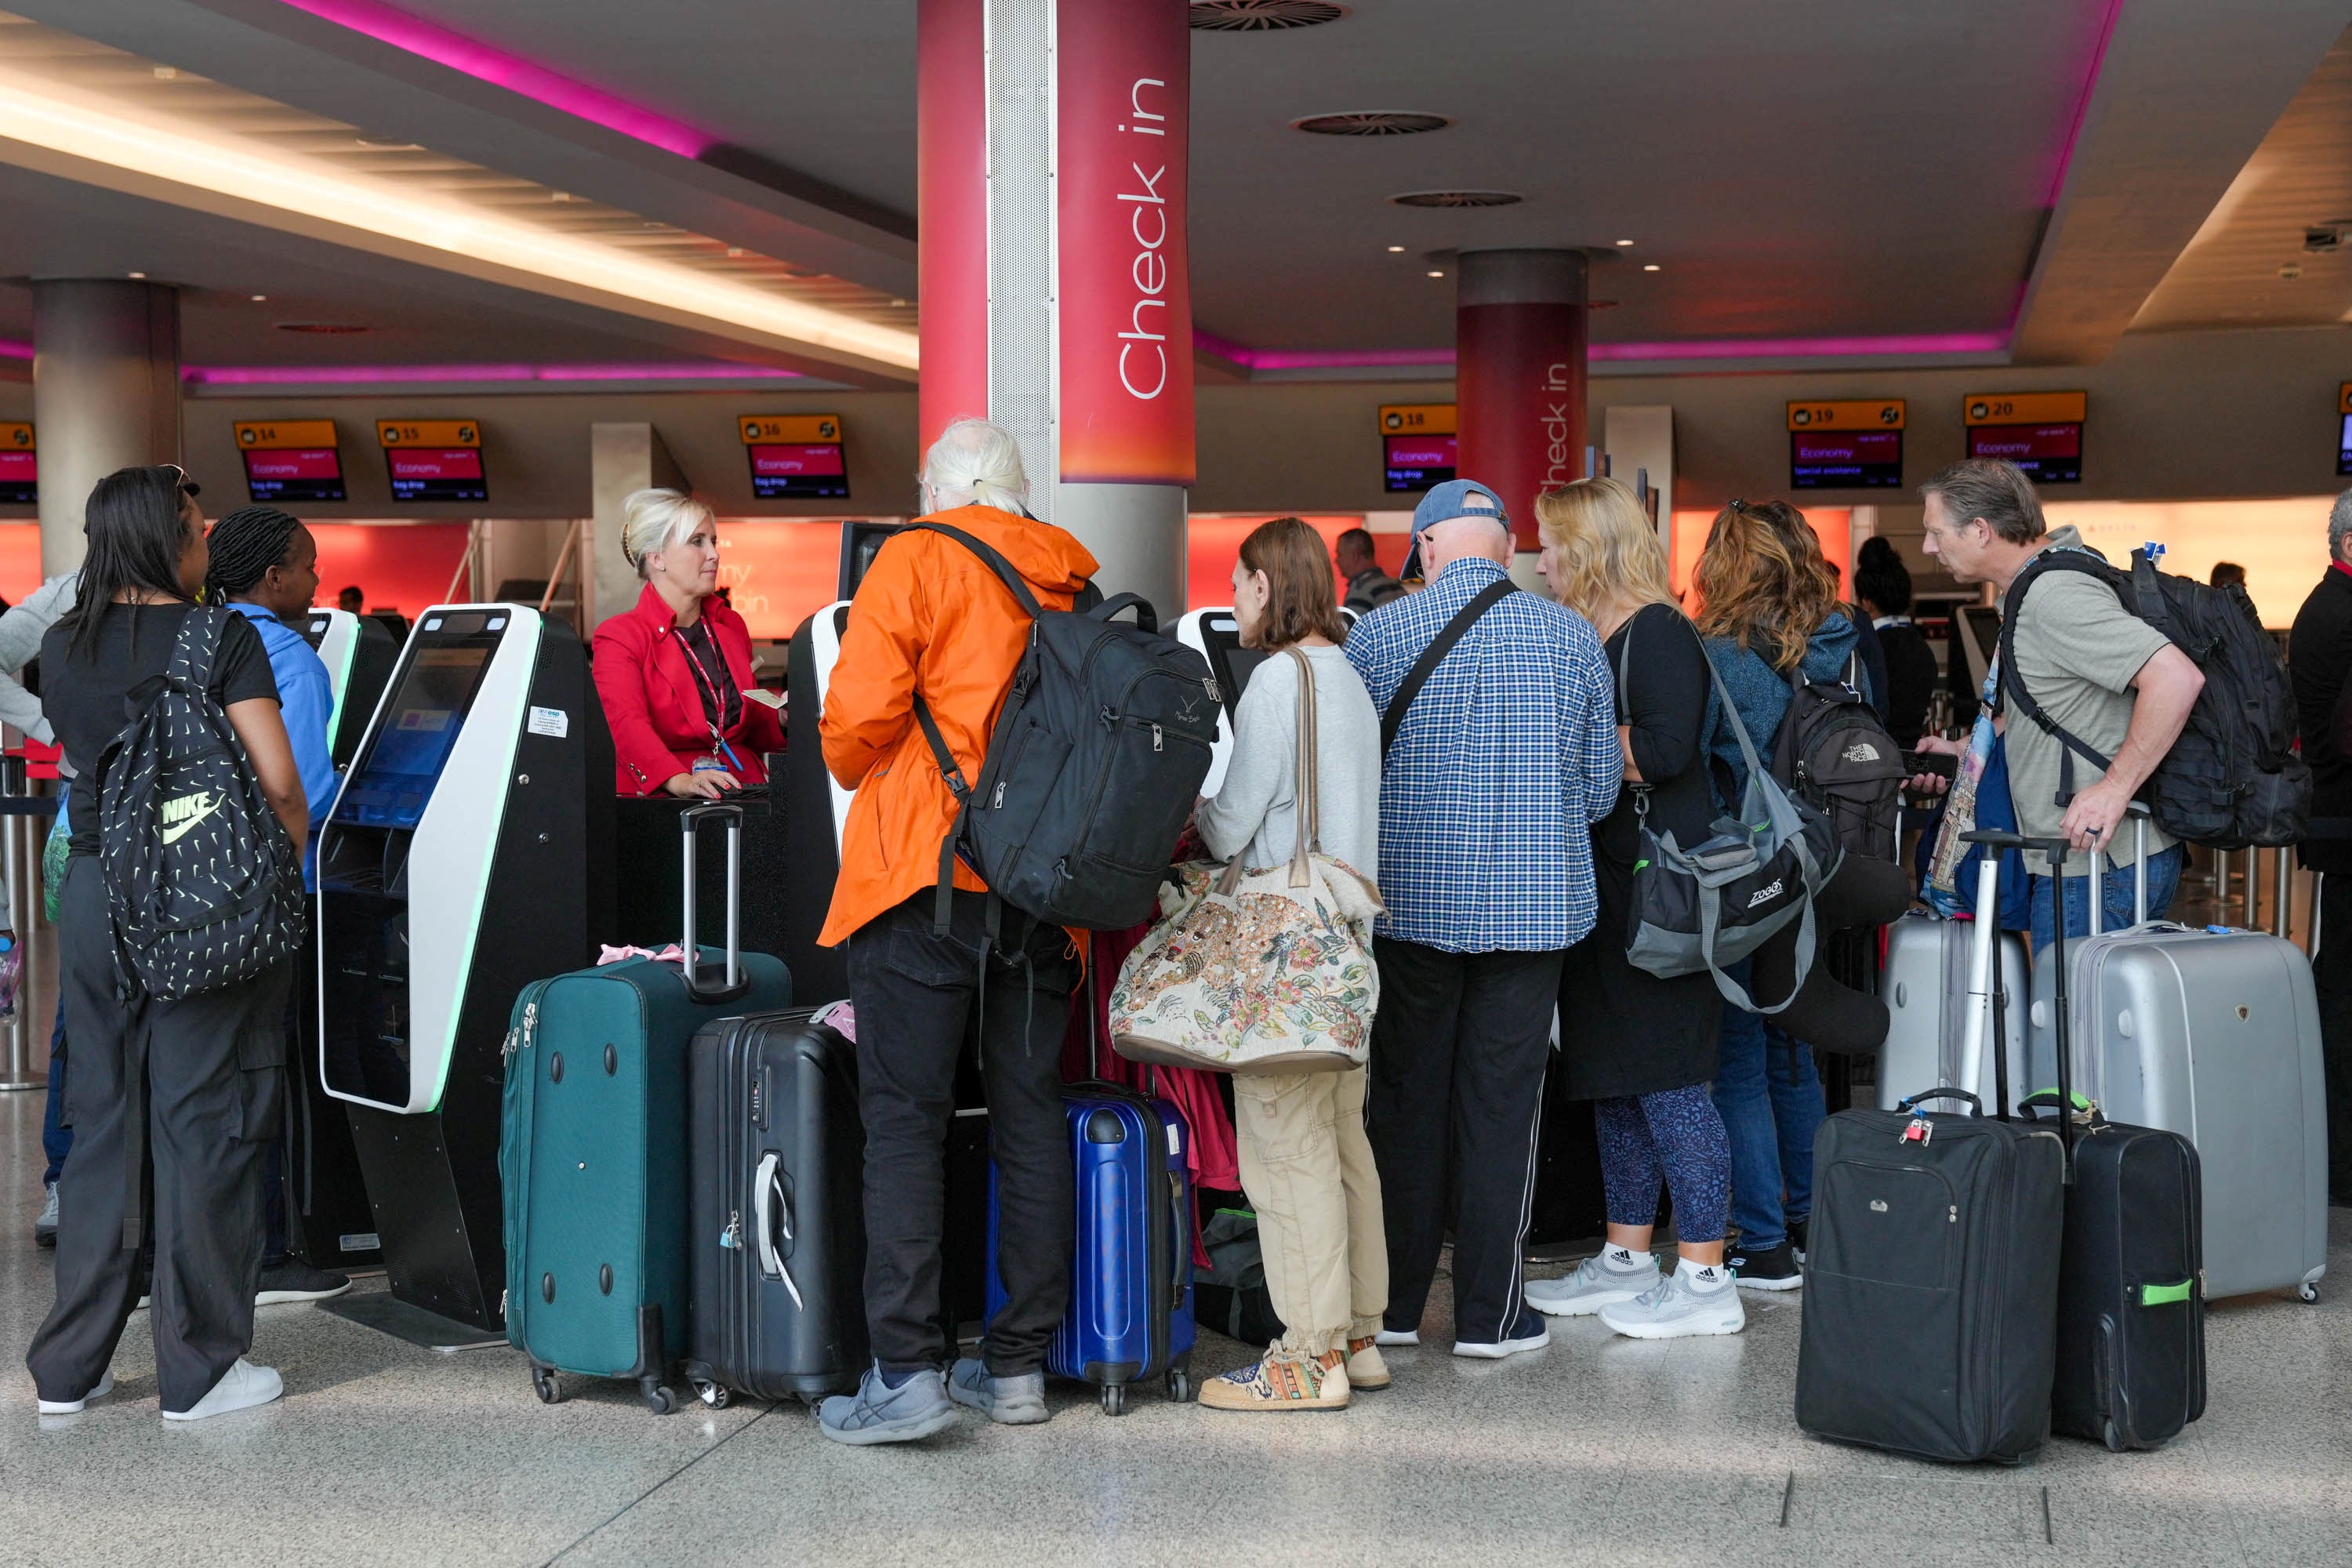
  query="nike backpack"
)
[
  {"x": 1835, "y": 754},
  {"x": 203, "y": 883},
  {"x": 1092, "y": 771},
  {"x": 2232, "y": 779}
]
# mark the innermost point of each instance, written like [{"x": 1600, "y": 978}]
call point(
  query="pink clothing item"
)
[
  {"x": 1214, "y": 1156},
  {"x": 673, "y": 954}
]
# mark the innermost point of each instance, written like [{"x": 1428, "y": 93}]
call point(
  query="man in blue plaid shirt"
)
[{"x": 1504, "y": 760}]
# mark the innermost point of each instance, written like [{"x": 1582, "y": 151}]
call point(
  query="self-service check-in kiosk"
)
[
  {"x": 327, "y": 1212},
  {"x": 467, "y": 854},
  {"x": 1218, "y": 636},
  {"x": 816, "y": 808},
  {"x": 358, "y": 652}
]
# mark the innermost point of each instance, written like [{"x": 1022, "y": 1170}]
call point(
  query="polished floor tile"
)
[{"x": 1598, "y": 1449}]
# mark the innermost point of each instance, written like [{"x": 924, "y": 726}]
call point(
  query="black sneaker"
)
[
  {"x": 295, "y": 1280},
  {"x": 1797, "y": 1237},
  {"x": 1774, "y": 1268}
]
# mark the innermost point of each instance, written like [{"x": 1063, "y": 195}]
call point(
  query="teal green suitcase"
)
[{"x": 592, "y": 1151}]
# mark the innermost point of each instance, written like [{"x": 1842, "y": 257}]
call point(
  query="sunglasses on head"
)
[{"x": 188, "y": 487}]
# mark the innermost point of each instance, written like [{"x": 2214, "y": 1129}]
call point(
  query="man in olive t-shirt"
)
[{"x": 2098, "y": 671}]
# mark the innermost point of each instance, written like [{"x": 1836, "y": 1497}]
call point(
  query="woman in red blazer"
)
[{"x": 673, "y": 671}]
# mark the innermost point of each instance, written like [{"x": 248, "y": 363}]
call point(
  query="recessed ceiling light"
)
[
  {"x": 257, "y": 299},
  {"x": 1649, "y": 266},
  {"x": 1372, "y": 122},
  {"x": 737, "y": 250},
  {"x": 166, "y": 73},
  {"x": 1624, "y": 242},
  {"x": 1433, "y": 272},
  {"x": 1396, "y": 250},
  {"x": 1458, "y": 199},
  {"x": 139, "y": 275}
]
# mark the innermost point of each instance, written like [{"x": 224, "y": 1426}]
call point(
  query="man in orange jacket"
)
[{"x": 930, "y": 617}]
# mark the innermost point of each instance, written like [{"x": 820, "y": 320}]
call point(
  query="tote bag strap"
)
[{"x": 1309, "y": 838}]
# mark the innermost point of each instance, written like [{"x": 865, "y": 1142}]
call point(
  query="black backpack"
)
[
  {"x": 203, "y": 883},
  {"x": 2232, "y": 779},
  {"x": 1098, "y": 756},
  {"x": 1834, "y": 754}
]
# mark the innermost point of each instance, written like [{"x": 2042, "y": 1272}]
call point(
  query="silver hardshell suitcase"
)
[
  {"x": 1925, "y": 985},
  {"x": 2212, "y": 1034}
]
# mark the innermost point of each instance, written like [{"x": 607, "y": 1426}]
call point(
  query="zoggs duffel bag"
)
[{"x": 592, "y": 1153}]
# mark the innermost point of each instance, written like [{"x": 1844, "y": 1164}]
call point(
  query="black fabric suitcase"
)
[
  {"x": 1931, "y": 1281},
  {"x": 776, "y": 1305},
  {"x": 2131, "y": 1299}
]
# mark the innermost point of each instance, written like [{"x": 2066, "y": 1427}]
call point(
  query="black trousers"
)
[
  {"x": 915, "y": 994},
  {"x": 171, "y": 1105},
  {"x": 2332, "y": 974},
  {"x": 1459, "y": 1049}
]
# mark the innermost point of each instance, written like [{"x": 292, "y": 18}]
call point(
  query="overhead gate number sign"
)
[
  {"x": 19, "y": 473},
  {"x": 291, "y": 459},
  {"x": 1846, "y": 443},
  {"x": 794, "y": 456},
  {"x": 2041, "y": 432},
  {"x": 434, "y": 459},
  {"x": 1418, "y": 444}
]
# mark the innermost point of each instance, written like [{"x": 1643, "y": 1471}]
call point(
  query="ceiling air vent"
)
[
  {"x": 322, "y": 329},
  {"x": 1371, "y": 122},
  {"x": 1458, "y": 199},
  {"x": 1261, "y": 15}
]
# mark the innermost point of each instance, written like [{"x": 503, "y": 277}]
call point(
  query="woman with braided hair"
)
[{"x": 265, "y": 567}]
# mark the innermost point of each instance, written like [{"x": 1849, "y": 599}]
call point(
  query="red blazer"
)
[{"x": 654, "y": 706}]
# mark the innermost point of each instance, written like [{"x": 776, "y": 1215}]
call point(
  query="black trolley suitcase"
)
[
  {"x": 1931, "y": 1283},
  {"x": 776, "y": 1305},
  {"x": 2131, "y": 1279}
]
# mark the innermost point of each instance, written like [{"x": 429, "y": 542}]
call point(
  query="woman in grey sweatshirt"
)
[{"x": 1306, "y": 1163}]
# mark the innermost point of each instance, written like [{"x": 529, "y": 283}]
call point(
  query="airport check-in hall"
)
[{"x": 1602, "y": 746}]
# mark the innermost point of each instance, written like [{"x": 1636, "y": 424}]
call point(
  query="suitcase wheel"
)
[
  {"x": 547, "y": 1384},
  {"x": 1180, "y": 1385},
  {"x": 658, "y": 1398},
  {"x": 2308, "y": 1292},
  {"x": 714, "y": 1394},
  {"x": 2113, "y": 1439},
  {"x": 1114, "y": 1398}
]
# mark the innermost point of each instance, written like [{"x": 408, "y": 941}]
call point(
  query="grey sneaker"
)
[
  {"x": 1702, "y": 1301},
  {"x": 1013, "y": 1400},
  {"x": 876, "y": 1413},
  {"x": 1595, "y": 1284},
  {"x": 45, "y": 1229}
]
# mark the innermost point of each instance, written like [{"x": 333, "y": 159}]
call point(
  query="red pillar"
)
[{"x": 1519, "y": 338}]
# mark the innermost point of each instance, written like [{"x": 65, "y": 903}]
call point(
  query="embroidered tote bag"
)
[{"x": 1267, "y": 971}]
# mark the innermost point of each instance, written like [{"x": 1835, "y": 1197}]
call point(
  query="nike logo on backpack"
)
[{"x": 181, "y": 813}]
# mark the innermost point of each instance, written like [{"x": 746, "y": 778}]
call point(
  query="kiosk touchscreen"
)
[
  {"x": 358, "y": 652},
  {"x": 469, "y": 853}
]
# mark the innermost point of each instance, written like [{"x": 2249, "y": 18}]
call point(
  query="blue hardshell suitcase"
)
[
  {"x": 591, "y": 1150},
  {"x": 1130, "y": 1312}
]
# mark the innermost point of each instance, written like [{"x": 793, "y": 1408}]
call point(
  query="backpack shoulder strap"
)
[
  {"x": 1435, "y": 654},
  {"x": 1006, "y": 574},
  {"x": 197, "y": 647},
  {"x": 2012, "y": 684}
]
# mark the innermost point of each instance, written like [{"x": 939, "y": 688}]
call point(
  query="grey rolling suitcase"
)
[
  {"x": 2212, "y": 1034},
  {"x": 1924, "y": 983}
]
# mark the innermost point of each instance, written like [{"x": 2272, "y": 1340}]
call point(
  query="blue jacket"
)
[
  {"x": 306, "y": 700},
  {"x": 1761, "y": 694}
]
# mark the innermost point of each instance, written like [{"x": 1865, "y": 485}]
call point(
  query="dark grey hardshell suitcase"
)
[{"x": 777, "y": 1159}]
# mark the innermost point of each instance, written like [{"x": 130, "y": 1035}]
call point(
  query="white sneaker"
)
[
  {"x": 241, "y": 1387},
  {"x": 1595, "y": 1284},
  {"x": 73, "y": 1406},
  {"x": 1685, "y": 1302},
  {"x": 1495, "y": 1349},
  {"x": 1408, "y": 1338}
]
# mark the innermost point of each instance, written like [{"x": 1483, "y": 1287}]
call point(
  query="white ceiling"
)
[{"x": 1829, "y": 168}]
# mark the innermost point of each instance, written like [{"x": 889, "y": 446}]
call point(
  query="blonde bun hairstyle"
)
[{"x": 652, "y": 521}]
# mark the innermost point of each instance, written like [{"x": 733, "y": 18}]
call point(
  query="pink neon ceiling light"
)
[{"x": 431, "y": 41}]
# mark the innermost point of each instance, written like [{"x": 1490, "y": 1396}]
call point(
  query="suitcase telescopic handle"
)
[{"x": 734, "y": 982}]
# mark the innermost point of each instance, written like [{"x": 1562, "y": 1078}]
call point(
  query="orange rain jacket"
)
[{"x": 930, "y": 617}]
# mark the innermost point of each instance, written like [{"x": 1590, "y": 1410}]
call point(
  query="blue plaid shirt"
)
[{"x": 1507, "y": 757}]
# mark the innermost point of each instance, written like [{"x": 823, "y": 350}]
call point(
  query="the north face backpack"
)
[
  {"x": 1835, "y": 754},
  {"x": 202, "y": 883},
  {"x": 2232, "y": 779},
  {"x": 1098, "y": 756}
]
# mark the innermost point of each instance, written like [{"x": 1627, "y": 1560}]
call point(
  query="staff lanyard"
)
[{"x": 705, "y": 683}]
